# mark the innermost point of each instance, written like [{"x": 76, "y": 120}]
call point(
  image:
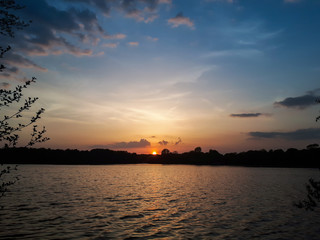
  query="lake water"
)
[{"x": 157, "y": 202}]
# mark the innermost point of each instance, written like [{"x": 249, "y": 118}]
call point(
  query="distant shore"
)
[{"x": 306, "y": 158}]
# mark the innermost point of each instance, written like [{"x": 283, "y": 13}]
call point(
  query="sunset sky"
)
[{"x": 143, "y": 75}]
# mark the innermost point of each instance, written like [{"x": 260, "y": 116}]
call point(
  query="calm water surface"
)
[{"x": 157, "y": 202}]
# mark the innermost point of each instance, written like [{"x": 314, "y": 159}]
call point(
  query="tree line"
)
[{"x": 309, "y": 157}]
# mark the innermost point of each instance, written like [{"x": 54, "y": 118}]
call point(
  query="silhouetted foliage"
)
[
  {"x": 262, "y": 158},
  {"x": 198, "y": 150},
  {"x": 313, "y": 196},
  {"x": 9, "y": 123},
  {"x": 165, "y": 151},
  {"x": 8, "y": 129},
  {"x": 312, "y": 146}
]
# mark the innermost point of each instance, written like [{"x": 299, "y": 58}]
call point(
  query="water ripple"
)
[{"x": 157, "y": 202}]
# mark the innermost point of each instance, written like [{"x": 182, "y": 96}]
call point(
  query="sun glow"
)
[{"x": 154, "y": 153}]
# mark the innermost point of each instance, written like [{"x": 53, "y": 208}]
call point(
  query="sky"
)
[{"x": 144, "y": 75}]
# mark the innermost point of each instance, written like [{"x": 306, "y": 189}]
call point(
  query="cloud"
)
[
  {"x": 111, "y": 45},
  {"x": 115, "y": 36},
  {"x": 178, "y": 142},
  {"x": 180, "y": 20},
  {"x": 246, "y": 115},
  {"x": 291, "y": 1},
  {"x": 300, "y": 134},
  {"x": 250, "y": 52},
  {"x": 300, "y": 102},
  {"x": 133, "y": 44},
  {"x": 127, "y": 6},
  {"x": 140, "y": 10},
  {"x": 61, "y": 31},
  {"x": 133, "y": 144},
  {"x": 15, "y": 60},
  {"x": 4, "y": 85},
  {"x": 165, "y": 1},
  {"x": 153, "y": 39},
  {"x": 163, "y": 143},
  {"x": 228, "y": 1},
  {"x": 54, "y": 31},
  {"x": 142, "y": 16},
  {"x": 103, "y": 6},
  {"x": 72, "y": 29}
]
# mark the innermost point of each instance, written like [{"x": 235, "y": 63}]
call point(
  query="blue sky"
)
[{"x": 142, "y": 75}]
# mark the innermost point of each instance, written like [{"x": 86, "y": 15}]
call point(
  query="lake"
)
[{"x": 157, "y": 202}]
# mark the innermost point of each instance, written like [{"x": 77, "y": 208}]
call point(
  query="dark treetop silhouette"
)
[{"x": 257, "y": 158}]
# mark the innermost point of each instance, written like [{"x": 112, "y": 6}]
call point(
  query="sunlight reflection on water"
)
[{"x": 157, "y": 202}]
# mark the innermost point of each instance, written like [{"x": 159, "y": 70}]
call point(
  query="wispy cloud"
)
[
  {"x": 132, "y": 144},
  {"x": 115, "y": 36},
  {"x": 153, "y": 39},
  {"x": 227, "y": 1},
  {"x": 165, "y": 1},
  {"x": 137, "y": 9},
  {"x": 163, "y": 143},
  {"x": 179, "y": 141},
  {"x": 15, "y": 60},
  {"x": 4, "y": 85},
  {"x": 133, "y": 44},
  {"x": 111, "y": 45},
  {"x": 300, "y": 134},
  {"x": 248, "y": 115},
  {"x": 250, "y": 52},
  {"x": 291, "y": 1},
  {"x": 142, "y": 16},
  {"x": 72, "y": 29},
  {"x": 300, "y": 102},
  {"x": 180, "y": 20}
]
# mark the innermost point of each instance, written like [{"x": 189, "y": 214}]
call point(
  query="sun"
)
[{"x": 154, "y": 153}]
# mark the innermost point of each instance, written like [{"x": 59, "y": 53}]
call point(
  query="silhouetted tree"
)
[
  {"x": 165, "y": 152},
  {"x": 9, "y": 123},
  {"x": 312, "y": 146},
  {"x": 198, "y": 150}
]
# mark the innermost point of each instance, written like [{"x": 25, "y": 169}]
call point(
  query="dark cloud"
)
[
  {"x": 179, "y": 141},
  {"x": 73, "y": 29},
  {"x": 19, "y": 61},
  {"x": 300, "y": 102},
  {"x": 300, "y": 134},
  {"x": 163, "y": 143},
  {"x": 246, "y": 115},
  {"x": 55, "y": 31},
  {"x": 133, "y": 144}
]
